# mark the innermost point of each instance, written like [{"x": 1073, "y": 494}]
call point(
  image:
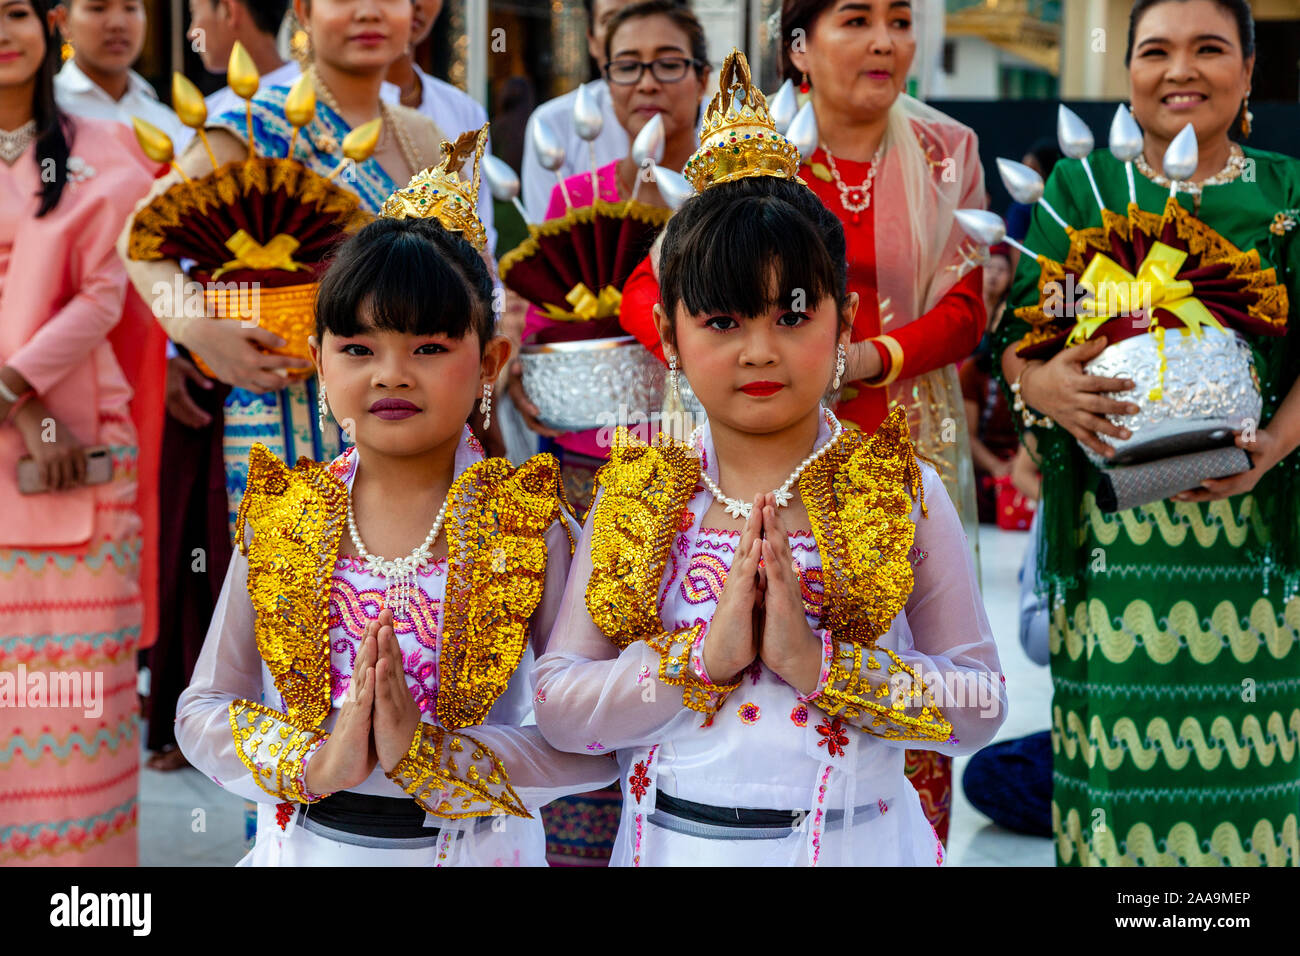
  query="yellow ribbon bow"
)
[
  {"x": 587, "y": 305},
  {"x": 251, "y": 254},
  {"x": 1116, "y": 291}
]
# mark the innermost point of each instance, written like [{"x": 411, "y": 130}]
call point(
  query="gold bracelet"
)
[{"x": 895, "y": 361}]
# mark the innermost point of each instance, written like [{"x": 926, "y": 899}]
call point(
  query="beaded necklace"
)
[{"x": 783, "y": 495}]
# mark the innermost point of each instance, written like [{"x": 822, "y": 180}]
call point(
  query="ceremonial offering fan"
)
[
  {"x": 1172, "y": 298},
  {"x": 263, "y": 223},
  {"x": 573, "y": 267}
]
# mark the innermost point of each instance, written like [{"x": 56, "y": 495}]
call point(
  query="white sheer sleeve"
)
[
  {"x": 501, "y": 767},
  {"x": 939, "y": 687},
  {"x": 592, "y": 697},
  {"x": 221, "y": 726}
]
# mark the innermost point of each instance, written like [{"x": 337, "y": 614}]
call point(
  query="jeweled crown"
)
[
  {"x": 738, "y": 138},
  {"x": 439, "y": 193}
]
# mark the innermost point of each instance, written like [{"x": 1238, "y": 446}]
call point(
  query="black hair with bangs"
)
[
  {"x": 743, "y": 247},
  {"x": 406, "y": 275}
]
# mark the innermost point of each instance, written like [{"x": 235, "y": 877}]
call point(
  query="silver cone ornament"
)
[
  {"x": 1023, "y": 183},
  {"x": 1072, "y": 133},
  {"x": 673, "y": 187},
  {"x": 1126, "y": 144},
  {"x": 1181, "y": 158},
  {"x": 502, "y": 182},
  {"x": 550, "y": 153}
]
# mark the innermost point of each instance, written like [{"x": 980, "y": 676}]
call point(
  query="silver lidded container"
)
[
  {"x": 597, "y": 383},
  {"x": 1210, "y": 389}
]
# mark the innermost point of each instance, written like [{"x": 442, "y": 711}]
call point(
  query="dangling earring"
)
[
  {"x": 485, "y": 406},
  {"x": 841, "y": 359},
  {"x": 324, "y": 406},
  {"x": 672, "y": 378},
  {"x": 1246, "y": 116},
  {"x": 67, "y": 51},
  {"x": 804, "y": 85}
]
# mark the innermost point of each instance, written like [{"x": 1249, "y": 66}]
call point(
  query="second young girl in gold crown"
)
[{"x": 762, "y": 619}]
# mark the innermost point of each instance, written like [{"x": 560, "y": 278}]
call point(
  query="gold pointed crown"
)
[
  {"x": 738, "y": 138},
  {"x": 439, "y": 193}
]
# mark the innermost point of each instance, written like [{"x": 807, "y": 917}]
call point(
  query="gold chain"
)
[{"x": 391, "y": 122}]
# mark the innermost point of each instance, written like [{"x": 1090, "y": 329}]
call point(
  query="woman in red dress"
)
[{"x": 894, "y": 171}]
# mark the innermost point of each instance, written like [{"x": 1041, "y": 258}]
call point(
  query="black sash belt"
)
[
  {"x": 739, "y": 823},
  {"x": 365, "y": 820}
]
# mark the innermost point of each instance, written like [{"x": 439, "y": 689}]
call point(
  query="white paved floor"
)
[{"x": 187, "y": 820}]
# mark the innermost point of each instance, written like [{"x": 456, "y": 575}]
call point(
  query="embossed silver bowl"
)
[
  {"x": 596, "y": 383},
  {"x": 1209, "y": 391}
]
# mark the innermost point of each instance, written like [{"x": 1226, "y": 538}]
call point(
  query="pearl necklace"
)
[
  {"x": 13, "y": 143},
  {"x": 854, "y": 206},
  {"x": 399, "y": 572},
  {"x": 783, "y": 495}
]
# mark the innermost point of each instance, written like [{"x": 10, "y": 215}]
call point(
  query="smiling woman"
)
[{"x": 1174, "y": 630}]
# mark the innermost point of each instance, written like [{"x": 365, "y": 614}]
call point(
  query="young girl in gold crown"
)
[
  {"x": 760, "y": 659},
  {"x": 373, "y": 706}
]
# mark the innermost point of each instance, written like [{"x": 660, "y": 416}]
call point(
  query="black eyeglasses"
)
[{"x": 666, "y": 69}]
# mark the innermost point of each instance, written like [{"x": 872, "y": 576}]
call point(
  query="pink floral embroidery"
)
[
  {"x": 834, "y": 738},
  {"x": 748, "y": 713},
  {"x": 643, "y": 675},
  {"x": 685, "y": 520},
  {"x": 884, "y": 807},
  {"x": 639, "y": 780},
  {"x": 540, "y": 696},
  {"x": 916, "y": 555},
  {"x": 341, "y": 467},
  {"x": 595, "y": 746},
  {"x": 472, "y": 441},
  {"x": 799, "y": 715},
  {"x": 817, "y": 818}
]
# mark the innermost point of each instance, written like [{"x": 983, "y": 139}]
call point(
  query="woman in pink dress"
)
[
  {"x": 70, "y": 600},
  {"x": 657, "y": 64}
]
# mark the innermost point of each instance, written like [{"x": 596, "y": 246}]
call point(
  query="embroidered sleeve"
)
[
  {"x": 275, "y": 750},
  {"x": 452, "y": 775},
  {"x": 681, "y": 664},
  {"x": 876, "y": 691}
]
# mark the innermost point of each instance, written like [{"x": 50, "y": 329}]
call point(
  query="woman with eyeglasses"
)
[{"x": 657, "y": 64}]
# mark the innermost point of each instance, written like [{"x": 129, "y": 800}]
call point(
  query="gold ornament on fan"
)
[
  {"x": 439, "y": 193},
  {"x": 739, "y": 138},
  {"x": 266, "y": 207}
]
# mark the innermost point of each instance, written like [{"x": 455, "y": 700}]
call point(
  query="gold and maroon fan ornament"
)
[
  {"x": 1174, "y": 300},
  {"x": 264, "y": 223}
]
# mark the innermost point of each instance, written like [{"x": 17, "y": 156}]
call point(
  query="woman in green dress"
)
[{"x": 1175, "y": 633}]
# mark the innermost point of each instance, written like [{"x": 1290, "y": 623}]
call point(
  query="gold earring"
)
[
  {"x": 67, "y": 51},
  {"x": 1246, "y": 116}
]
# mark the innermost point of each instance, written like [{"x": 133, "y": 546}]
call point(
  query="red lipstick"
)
[
  {"x": 761, "y": 389},
  {"x": 393, "y": 409}
]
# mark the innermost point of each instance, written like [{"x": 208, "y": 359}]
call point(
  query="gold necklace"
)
[
  {"x": 1233, "y": 169},
  {"x": 391, "y": 122}
]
